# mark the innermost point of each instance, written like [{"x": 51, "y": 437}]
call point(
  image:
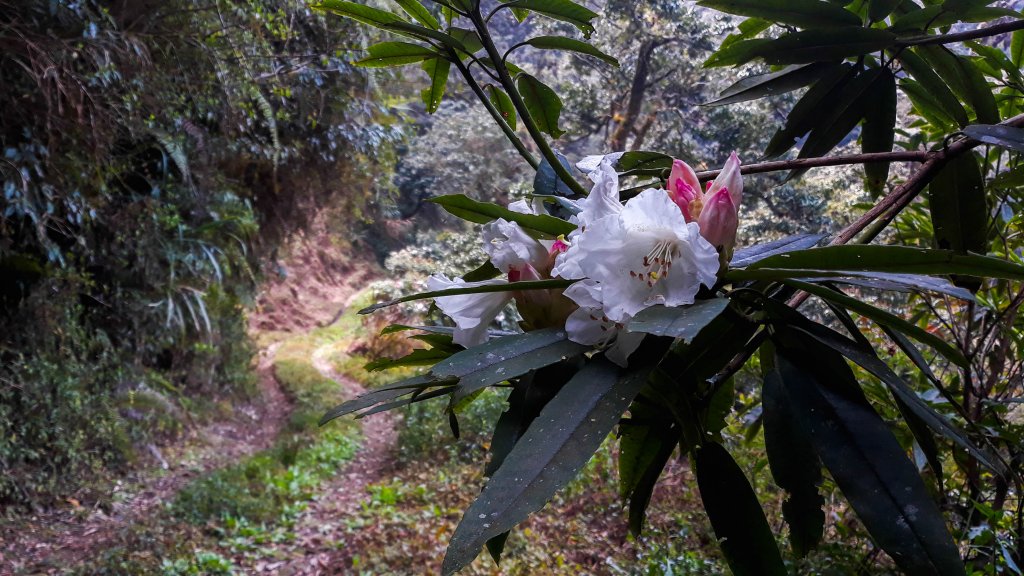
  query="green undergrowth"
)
[{"x": 236, "y": 515}]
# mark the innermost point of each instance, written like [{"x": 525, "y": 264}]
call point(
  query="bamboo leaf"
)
[
  {"x": 509, "y": 287},
  {"x": 749, "y": 255},
  {"x": 884, "y": 318},
  {"x": 1006, "y": 136},
  {"x": 959, "y": 210},
  {"x": 897, "y": 259}
]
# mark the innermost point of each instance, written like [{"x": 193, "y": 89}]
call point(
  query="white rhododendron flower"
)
[
  {"x": 589, "y": 325},
  {"x": 512, "y": 249},
  {"x": 658, "y": 248},
  {"x": 472, "y": 313},
  {"x": 647, "y": 254}
]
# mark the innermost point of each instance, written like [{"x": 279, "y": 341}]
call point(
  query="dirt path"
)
[
  {"x": 322, "y": 526},
  {"x": 48, "y": 543},
  {"x": 321, "y": 280}
]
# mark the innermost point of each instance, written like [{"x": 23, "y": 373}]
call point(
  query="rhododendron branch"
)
[
  {"x": 502, "y": 123},
  {"x": 983, "y": 32},
  {"x": 801, "y": 163},
  {"x": 870, "y": 225},
  {"x": 520, "y": 105}
]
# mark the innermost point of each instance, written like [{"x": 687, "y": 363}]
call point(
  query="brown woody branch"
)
[
  {"x": 801, "y": 163},
  {"x": 983, "y": 32}
]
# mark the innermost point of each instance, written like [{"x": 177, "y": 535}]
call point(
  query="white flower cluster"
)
[{"x": 654, "y": 250}]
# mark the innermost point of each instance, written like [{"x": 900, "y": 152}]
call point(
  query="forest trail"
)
[
  {"x": 317, "y": 281},
  {"x": 49, "y": 542},
  {"x": 321, "y": 528}
]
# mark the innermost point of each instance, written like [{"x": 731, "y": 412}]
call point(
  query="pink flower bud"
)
[
  {"x": 683, "y": 187},
  {"x": 718, "y": 221},
  {"x": 730, "y": 179}
]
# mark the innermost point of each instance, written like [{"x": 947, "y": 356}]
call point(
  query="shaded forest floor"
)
[{"x": 265, "y": 490}]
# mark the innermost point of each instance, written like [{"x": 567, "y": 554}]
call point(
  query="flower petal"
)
[
  {"x": 509, "y": 246},
  {"x": 730, "y": 179},
  {"x": 472, "y": 313}
]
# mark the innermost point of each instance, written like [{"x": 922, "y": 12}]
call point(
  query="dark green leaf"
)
[
  {"x": 936, "y": 88},
  {"x": 806, "y": 113},
  {"x": 642, "y": 160},
  {"x": 749, "y": 255},
  {"x": 551, "y": 453},
  {"x": 509, "y": 287},
  {"x": 743, "y": 533},
  {"x": 419, "y": 13},
  {"x": 683, "y": 322},
  {"x": 543, "y": 104},
  {"x": 359, "y": 13},
  {"x": 666, "y": 437},
  {"x": 885, "y": 318},
  {"x": 547, "y": 183},
  {"x": 902, "y": 283},
  {"x": 898, "y": 259},
  {"x": 572, "y": 45},
  {"x": 416, "y": 31},
  {"x": 382, "y": 394},
  {"x": 864, "y": 458},
  {"x": 1017, "y": 48},
  {"x": 504, "y": 358},
  {"x": 485, "y": 271},
  {"x": 418, "y": 357},
  {"x": 959, "y": 211},
  {"x": 530, "y": 394},
  {"x": 437, "y": 71},
  {"x": 879, "y": 130},
  {"x": 963, "y": 76},
  {"x": 483, "y": 212},
  {"x": 564, "y": 10},
  {"x": 467, "y": 38},
  {"x": 842, "y": 115},
  {"x": 747, "y": 29},
  {"x": 496, "y": 545},
  {"x": 879, "y": 9},
  {"x": 799, "y": 13},
  {"x": 1006, "y": 136},
  {"x": 736, "y": 53},
  {"x": 387, "y": 54},
  {"x": 794, "y": 465},
  {"x": 923, "y": 436},
  {"x": 823, "y": 45},
  {"x": 418, "y": 396},
  {"x": 774, "y": 83},
  {"x": 502, "y": 103},
  {"x": 868, "y": 360}
]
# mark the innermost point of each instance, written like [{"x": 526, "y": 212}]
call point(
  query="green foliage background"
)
[{"x": 154, "y": 155}]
